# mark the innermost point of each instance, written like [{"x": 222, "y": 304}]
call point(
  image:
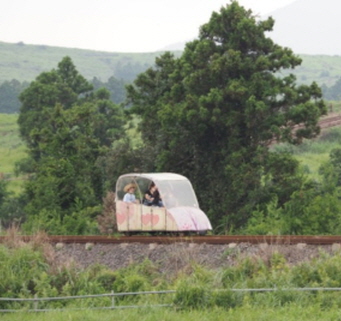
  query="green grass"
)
[
  {"x": 311, "y": 163},
  {"x": 12, "y": 149},
  {"x": 248, "y": 313},
  {"x": 313, "y": 153}
]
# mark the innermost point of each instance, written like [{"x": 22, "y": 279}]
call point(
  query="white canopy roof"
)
[
  {"x": 170, "y": 185},
  {"x": 157, "y": 177}
]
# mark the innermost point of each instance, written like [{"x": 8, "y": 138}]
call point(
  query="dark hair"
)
[{"x": 152, "y": 184}]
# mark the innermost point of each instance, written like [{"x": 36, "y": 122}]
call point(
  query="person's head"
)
[
  {"x": 130, "y": 188},
  {"x": 152, "y": 186}
]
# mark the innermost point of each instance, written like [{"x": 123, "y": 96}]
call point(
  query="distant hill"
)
[
  {"x": 323, "y": 69},
  {"x": 24, "y": 62},
  {"x": 309, "y": 27}
]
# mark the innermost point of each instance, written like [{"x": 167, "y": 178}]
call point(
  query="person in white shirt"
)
[{"x": 129, "y": 196}]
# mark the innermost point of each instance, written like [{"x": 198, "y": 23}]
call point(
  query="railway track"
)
[
  {"x": 222, "y": 239},
  {"x": 330, "y": 121},
  {"x": 326, "y": 122}
]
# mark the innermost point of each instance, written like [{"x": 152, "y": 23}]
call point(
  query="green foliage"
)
[
  {"x": 323, "y": 272},
  {"x": 258, "y": 274},
  {"x": 3, "y": 191},
  {"x": 227, "y": 299},
  {"x": 282, "y": 177},
  {"x": 114, "y": 86},
  {"x": 12, "y": 211},
  {"x": 27, "y": 272},
  {"x": 12, "y": 149},
  {"x": 239, "y": 275},
  {"x": 61, "y": 86},
  {"x": 311, "y": 154},
  {"x": 77, "y": 223},
  {"x": 210, "y": 114},
  {"x": 331, "y": 170},
  {"x": 9, "y": 93},
  {"x": 124, "y": 157},
  {"x": 192, "y": 296},
  {"x": 333, "y": 92},
  {"x": 269, "y": 221},
  {"x": 310, "y": 211},
  {"x": 11, "y": 206},
  {"x": 67, "y": 129},
  {"x": 138, "y": 278},
  {"x": 107, "y": 220},
  {"x": 19, "y": 269}
]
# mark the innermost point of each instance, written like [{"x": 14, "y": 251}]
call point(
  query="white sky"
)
[{"x": 112, "y": 25}]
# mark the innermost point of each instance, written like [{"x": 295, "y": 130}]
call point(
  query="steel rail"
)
[{"x": 210, "y": 239}]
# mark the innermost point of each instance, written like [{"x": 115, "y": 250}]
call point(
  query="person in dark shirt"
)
[{"x": 152, "y": 196}]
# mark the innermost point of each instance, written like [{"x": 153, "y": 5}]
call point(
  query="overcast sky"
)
[{"x": 112, "y": 25}]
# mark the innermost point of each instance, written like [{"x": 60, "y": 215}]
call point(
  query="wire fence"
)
[{"x": 36, "y": 300}]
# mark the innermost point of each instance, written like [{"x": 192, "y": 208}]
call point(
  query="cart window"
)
[
  {"x": 141, "y": 183},
  {"x": 177, "y": 193}
]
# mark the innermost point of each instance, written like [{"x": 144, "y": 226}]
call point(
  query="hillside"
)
[
  {"x": 323, "y": 69},
  {"x": 24, "y": 62}
]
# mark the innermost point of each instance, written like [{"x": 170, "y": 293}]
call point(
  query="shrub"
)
[
  {"x": 227, "y": 299},
  {"x": 107, "y": 220},
  {"x": 192, "y": 296}
]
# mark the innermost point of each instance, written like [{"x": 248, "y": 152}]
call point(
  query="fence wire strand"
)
[{"x": 35, "y": 300}]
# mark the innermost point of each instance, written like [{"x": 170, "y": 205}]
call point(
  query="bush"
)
[
  {"x": 227, "y": 299},
  {"x": 107, "y": 220},
  {"x": 53, "y": 222},
  {"x": 20, "y": 269},
  {"x": 192, "y": 296}
]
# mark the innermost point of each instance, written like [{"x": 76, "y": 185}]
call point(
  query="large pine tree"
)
[{"x": 212, "y": 113}]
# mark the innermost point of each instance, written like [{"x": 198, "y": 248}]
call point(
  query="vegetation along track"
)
[{"x": 222, "y": 239}]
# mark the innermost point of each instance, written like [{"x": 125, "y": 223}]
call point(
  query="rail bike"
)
[{"x": 176, "y": 212}]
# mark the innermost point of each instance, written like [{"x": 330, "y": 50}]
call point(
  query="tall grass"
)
[{"x": 247, "y": 313}]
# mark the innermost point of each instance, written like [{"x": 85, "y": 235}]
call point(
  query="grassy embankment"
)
[{"x": 31, "y": 270}]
